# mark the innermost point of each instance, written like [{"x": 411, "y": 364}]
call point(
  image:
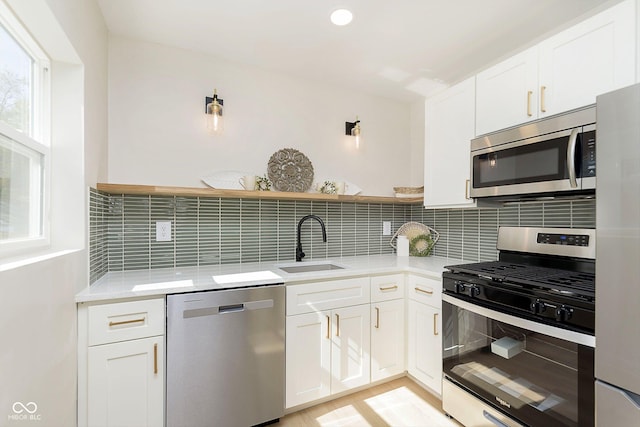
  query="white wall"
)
[
  {"x": 417, "y": 143},
  {"x": 157, "y": 133},
  {"x": 38, "y": 358}
]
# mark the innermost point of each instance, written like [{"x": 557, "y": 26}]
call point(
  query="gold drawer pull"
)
[
  {"x": 389, "y": 288},
  {"x": 543, "y": 108},
  {"x": 155, "y": 358},
  {"x": 529, "y": 113},
  {"x": 337, "y": 325},
  {"x": 126, "y": 322},
  {"x": 423, "y": 291},
  {"x": 377, "y": 318},
  {"x": 435, "y": 323}
]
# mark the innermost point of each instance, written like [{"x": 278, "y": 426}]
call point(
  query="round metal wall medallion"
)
[{"x": 290, "y": 170}]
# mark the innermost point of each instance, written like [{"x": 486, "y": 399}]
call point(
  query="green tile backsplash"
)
[{"x": 208, "y": 231}]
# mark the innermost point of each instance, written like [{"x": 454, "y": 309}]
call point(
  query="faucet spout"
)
[{"x": 299, "y": 253}]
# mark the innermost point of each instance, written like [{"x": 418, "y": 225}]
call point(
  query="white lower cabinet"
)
[
  {"x": 121, "y": 364},
  {"x": 424, "y": 339},
  {"x": 387, "y": 339},
  {"x": 125, "y": 385},
  {"x": 327, "y": 352},
  {"x": 350, "y": 348},
  {"x": 308, "y": 354}
]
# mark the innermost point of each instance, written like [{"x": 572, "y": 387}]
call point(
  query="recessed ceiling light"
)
[{"x": 341, "y": 17}]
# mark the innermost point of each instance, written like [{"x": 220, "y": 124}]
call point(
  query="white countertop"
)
[{"x": 162, "y": 281}]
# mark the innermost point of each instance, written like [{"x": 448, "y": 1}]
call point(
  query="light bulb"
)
[
  {"x": 341, "y": 17},
  {"x": 215, "y": 122}
]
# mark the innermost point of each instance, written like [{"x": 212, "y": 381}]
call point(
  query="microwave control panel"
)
[{"x": 588, "y": 145}]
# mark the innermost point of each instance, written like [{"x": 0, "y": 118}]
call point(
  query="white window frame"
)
[{"x": 39, "y": 136}]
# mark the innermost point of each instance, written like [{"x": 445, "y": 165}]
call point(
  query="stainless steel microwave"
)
[{"x": 555, "y": 156}]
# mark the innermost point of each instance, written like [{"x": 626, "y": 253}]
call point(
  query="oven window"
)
[
  {"x": 541, "y": 161},
  {"x": 538, "y": 379}
]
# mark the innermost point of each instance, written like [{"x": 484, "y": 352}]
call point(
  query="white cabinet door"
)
[
  {"x": 449, "y": 128},
  {"x": 350, "y": 350},
  {"x": 506, "y": 94},
  {"x": 126, "y": 383},
  {"x": 593, "y": 57},
  {"x": 564, "y": 72},
  {"x": 425, "y": 344},
  {"x": 387, "y": 339},
  {"x": 308, "y": 357}
]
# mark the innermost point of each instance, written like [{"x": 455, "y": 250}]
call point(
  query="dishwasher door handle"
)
[{"x": 231, "y": 308}]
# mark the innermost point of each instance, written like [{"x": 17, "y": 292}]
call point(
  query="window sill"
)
[{"x": 32, "y": 258}]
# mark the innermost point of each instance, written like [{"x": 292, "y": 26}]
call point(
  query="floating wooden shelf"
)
[{"x": 158, "y": 190}]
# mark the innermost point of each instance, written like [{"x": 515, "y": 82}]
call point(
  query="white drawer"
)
[
  {"x": 125, "y": 321},
  {"x": 425, "y": 290},
  {"x": 317, "y": 296},
  {"x": 385, "y": 288}
]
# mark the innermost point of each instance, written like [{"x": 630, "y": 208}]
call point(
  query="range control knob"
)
[
  {"x": 473, "y": 290},
  {"x": 563, "y": 313},
  {"x": 538, "y": 307},
  {"x": 460, "y": 287}
]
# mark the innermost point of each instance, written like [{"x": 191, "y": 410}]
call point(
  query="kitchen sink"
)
[{"x": 308, "y": 267}]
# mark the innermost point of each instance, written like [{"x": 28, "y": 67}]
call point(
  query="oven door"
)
[
  {"x": 537, "y": 374},
  {"x": 553, "y": 163}
]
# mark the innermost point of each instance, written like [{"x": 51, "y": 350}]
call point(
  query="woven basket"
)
[
  {"x": 409, "y": 190},
  {"x": 413, "y": 229}
]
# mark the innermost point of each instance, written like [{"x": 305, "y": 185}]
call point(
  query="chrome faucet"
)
[{"x": 299, "y": 253}]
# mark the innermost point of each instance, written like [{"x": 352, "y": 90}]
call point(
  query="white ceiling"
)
[{"x": 401, "y": 49}]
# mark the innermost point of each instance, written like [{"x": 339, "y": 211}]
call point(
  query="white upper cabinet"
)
[
  {"x": 449, "y": 128},
  {"x": 594, "y": 57},
  {"x": 564, "y": 72},
  {"x": 506, "y": 93}
]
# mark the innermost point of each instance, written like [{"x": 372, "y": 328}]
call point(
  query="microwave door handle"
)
[{"x": 571, "y": 158}]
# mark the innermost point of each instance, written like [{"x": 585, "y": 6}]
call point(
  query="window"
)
[{"x": 24, "y": 145}]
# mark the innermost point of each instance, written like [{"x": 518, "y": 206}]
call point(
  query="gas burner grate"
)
[{"x": 565, "y": 282}]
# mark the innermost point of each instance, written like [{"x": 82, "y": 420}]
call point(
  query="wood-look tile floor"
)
[{"x": 399, "y": 403}]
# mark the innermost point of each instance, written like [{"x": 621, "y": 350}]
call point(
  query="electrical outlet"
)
[
  {"x": 386, "y": 228},
  {"x": 163, "y": 231}
]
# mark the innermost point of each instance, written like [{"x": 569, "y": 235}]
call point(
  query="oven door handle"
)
[
  {"x": 560, "y": 333},
  {"x": 493, "y": 419},
  {"x": 571, "y": 158}
]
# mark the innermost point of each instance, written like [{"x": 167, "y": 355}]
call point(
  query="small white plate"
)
[{"x": 225, "y": 180}]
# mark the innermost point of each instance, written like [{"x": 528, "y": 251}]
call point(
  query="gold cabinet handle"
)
[
  {"x": 529, "y": 94},
  {"x": 377, "y": 318},
  {"x": 543, "y": 108},
  {"x": 328, "y": 327},
  {"x": 155, "y": 359},
  {"x": 337, "y": 325},
  {"x": 388, "y": 288},
  {"x": 435, "y": 323},
  {"x": 423, "y": 291},
  {"x": 467, "y": 184},
  {"x": 126, "y": 322}
]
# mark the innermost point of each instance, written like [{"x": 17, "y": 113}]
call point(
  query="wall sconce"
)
[
  {"x": 353, "y": 129},
  {"x": 213, "y": 110}
]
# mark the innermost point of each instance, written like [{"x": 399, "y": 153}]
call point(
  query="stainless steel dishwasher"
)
[{"x": 225, "y": 357}]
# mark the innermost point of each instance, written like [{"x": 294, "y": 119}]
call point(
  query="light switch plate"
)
[
  {"x": 163, "y": 231},
  {"x": 386, "y": 228}
]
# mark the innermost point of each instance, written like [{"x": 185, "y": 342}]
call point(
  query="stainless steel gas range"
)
[{"x": 519, "y": 332}]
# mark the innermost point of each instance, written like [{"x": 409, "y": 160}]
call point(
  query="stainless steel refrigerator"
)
[{"x": 617, "y": 356}]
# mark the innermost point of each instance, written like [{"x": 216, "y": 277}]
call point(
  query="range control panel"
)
[{"x": 563, "y": 239}]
